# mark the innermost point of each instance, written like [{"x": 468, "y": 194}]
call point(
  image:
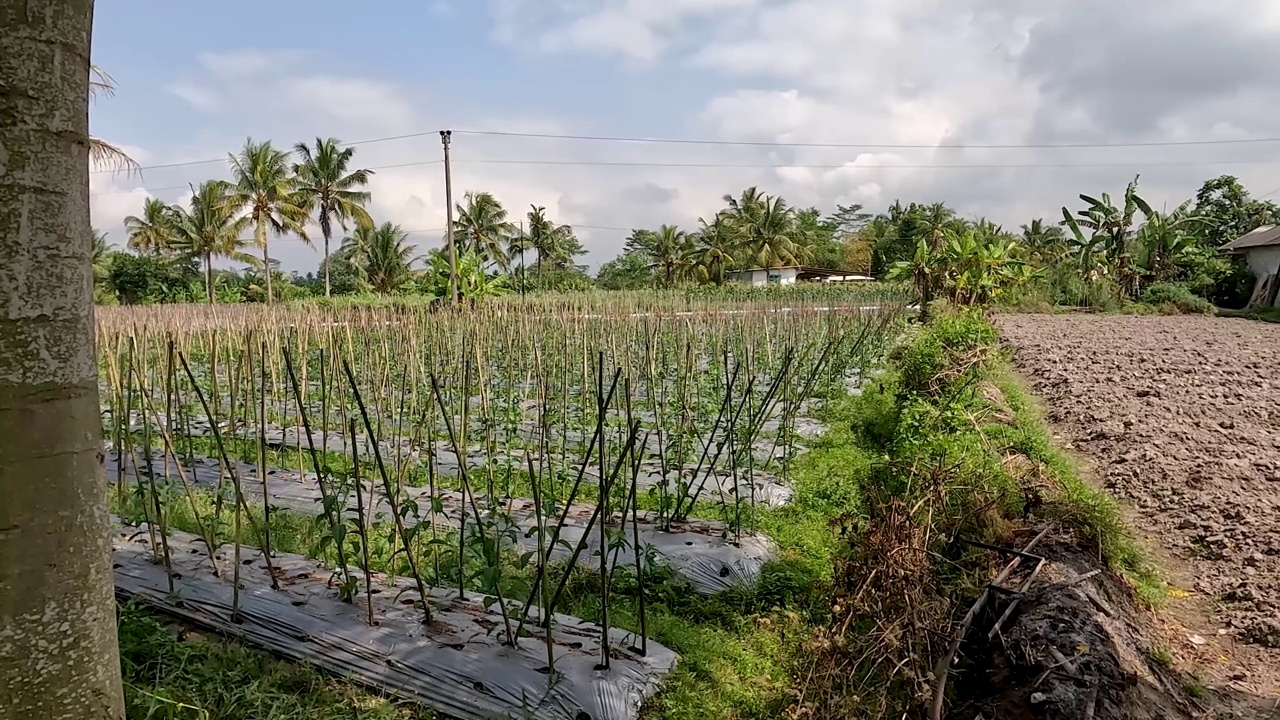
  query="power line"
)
[
  {"x": 764, "y": 143},
  {"x": 869, "y": 146},
  {"x": 223, "y": 159},
  {"x": 310, "y": 242},
  {"x": 852, "y": 166},
  {"x": 780, "y": 166},
  {"x": 181, "y": 187}
]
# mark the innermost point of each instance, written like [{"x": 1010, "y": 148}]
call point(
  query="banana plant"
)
[
  {"x": 474, "y": 281},
  {"x": 923, "y": 270},
  {"x": 981, "y": 266},
  {"x": 1106, "y": 249},
  {"x": 1167, "y": 239}
]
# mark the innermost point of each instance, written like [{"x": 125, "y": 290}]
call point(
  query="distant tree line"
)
[
  {"x": 1106, "y": 252},
  {"x": 1103, "y": 252},
  {"x": 172, "y": 249}
]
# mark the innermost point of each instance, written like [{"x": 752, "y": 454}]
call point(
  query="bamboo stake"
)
[
  {"x": 364, "y": 524},
  {"x": 235, "y": 479},
  {"x": 393, "y": 497}
]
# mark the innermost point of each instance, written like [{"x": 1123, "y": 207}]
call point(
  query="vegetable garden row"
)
[{"x": 409, "y": 496}]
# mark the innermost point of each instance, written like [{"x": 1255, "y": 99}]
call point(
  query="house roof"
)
[
  {"x": 1265, "y": 236},
  {"x": 798, "y": 268}
]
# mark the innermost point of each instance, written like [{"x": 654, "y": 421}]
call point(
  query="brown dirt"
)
[{"x": 1180, "y": 419}]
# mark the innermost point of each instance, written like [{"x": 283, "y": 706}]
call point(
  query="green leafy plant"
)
[{"x": 1177, "y": 297}]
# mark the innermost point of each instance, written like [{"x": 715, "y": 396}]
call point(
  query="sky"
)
[{"x": 904, "y": 99}]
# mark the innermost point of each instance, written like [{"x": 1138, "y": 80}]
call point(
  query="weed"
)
[
  {"x": 1196, "y": 685},
  {"x": 934, "y": 434},
  {"x": 1160, "y": 655}
]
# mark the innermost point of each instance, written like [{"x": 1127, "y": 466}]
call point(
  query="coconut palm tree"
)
[
  {"x": 331, "y": 189},
  {"x": 381, "y": 256},
  {"x": 555, "y": 244},
  {"x": 934, "y": 222},
  {"x": 60, "y": 657},
  {"x": 745, "y": 205},
  {"x": 765, "y": 229},
  {"x": 481, "y": 227},
  {"x": 1037, "y": 234},
  {"x": 263, "y": 187},
  {"x": 154, "y": 232},
  {"x": 667, "y": 250},
  {"x": 210, "y": 228},
  {"x": 714, "y": 247},
  {"x": 770, "y": 235},
  {"x": 1048, "y": 242}
]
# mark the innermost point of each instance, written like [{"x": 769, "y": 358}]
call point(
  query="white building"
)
[
  {"x": 791, "y": 274},
  {"x": 1261, "y": 251}
]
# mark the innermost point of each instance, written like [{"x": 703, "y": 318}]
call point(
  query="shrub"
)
[
  {"x": 1226, "y": 282},
  {"x": 1173, "y": 295},
  {"x": 944, "y": 352}
]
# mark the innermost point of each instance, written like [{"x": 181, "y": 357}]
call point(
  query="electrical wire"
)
[
  {"x": 769, "y": 143},
  {"x": 869, "y": 146},
  {"x": 779, "y": 166}
]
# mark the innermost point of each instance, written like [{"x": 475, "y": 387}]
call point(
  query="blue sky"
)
[
  {"x": 195, "y": 79},
  {"x": 441, "y": 50}
]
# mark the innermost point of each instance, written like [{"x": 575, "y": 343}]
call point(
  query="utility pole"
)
[
  {"x": 523, "y": 274},
  {"x": 445, "y": 136}
]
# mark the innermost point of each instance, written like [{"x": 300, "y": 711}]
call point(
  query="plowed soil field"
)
[{"x": 1179, "y": 418}]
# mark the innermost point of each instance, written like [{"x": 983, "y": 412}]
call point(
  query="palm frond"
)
[
  {"x": 100, "y": 82},
  {"x": 109, "y": 158}
]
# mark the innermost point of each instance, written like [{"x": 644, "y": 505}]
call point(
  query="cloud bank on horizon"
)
[{"x": 931, "y": 75}]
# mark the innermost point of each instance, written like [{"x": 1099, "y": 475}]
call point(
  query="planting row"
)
[{"x": 495, "y": 455}]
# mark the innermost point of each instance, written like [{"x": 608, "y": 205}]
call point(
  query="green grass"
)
[
  {"x": 1160, "y": 655},
  {"x": 199, "y": 677},
  {"x": 1196, "y": 684}
]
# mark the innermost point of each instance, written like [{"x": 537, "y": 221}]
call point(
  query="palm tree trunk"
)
[
  {"x": 260, "y": 234},
  {"x": 208, "y": 276},
  {"x": 58, "y": 657},
  {"x": 326, "y": 230}
]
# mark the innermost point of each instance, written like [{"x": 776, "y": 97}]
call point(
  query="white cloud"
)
[
  {"x": 637, "y": 30},
  {"x": 883, "y": 72},
  {"x": 200, "y": 98},
  {"x": 251, "y": 62},
  {"x": 930, "y": 72},
  {"x": 378, "y": 106}
]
